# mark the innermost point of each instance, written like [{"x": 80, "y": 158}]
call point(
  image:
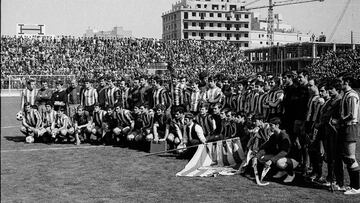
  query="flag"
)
[{"x": 220, "y": 157}]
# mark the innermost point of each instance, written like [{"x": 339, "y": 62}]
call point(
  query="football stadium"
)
[{"x": 206, "y": 112}]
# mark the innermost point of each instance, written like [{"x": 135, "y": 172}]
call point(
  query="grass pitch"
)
[{"x": 67, "y": 173}]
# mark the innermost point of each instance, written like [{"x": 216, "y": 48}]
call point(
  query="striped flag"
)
[{"x": 215, "y": 158}]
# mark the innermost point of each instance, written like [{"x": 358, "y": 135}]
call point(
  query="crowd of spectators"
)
[{"x": 94, "y": 57}]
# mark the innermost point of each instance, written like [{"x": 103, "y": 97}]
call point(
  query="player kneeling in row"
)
[
  {"x": 136, "y": 133},
  {"x": 31, "y": 124},
  {"x": 147, "y": 116},
  {"x": 161, "y": 124},
  {"x": 82, "y": 124},
  {"x": 175, "y": 133},
  {"x": 276, "y": 152},
  {"x": 144, "y": 119},
  {"x": 193, "y": 134},
  {"x": 99, "y": 128},
  {"x": 63, "y": 129},
  {"x": 125, "y": 123},
  {"x": 49, "y": 116},
  {"x": 109, "y": 123}
]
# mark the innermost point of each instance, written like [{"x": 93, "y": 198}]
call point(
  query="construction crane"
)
[
  {"x": 339, "y": 20},
  {"x": 270, "y": 21}
]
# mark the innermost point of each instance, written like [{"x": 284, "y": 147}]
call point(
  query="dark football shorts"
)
[{"x": 350, "y": 133}]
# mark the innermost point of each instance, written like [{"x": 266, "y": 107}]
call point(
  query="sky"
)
[{"x": 143, "y": 17}]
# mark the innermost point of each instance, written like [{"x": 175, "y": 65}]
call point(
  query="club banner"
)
[{"x": 221, "y": 157}]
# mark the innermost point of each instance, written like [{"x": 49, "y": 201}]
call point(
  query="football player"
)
[
  {"x": 63, "y": 128},
  {"x": 125, "y": 123},
  {"x": 31, "y": 124},
  {"x": 82, "y": 124}
]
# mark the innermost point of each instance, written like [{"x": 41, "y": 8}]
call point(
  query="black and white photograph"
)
[{"x": 180, "y": 101}]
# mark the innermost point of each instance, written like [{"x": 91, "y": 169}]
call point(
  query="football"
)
[
  {"x": 29, "y": 139},
  {"x": 19, "y": 116}
]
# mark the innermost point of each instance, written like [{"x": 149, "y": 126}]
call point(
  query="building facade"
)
[
  {"x": 208, "y": 20},
  {"x": 283, "y": 32},
  {"x": 258, "y": 38},
  {"x": 225, "y": 20},
  {"x": 116, "y": 32},
  {"x": 293, "y": 56}
]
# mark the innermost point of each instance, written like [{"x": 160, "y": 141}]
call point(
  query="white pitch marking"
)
[
  {"x": 53, "y": 148},
  {"x": 11, "y": 126}
]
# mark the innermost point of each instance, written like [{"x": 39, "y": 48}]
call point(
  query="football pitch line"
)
[
  {"x": 10, "y": 126},
  {"x": 52, "y": 148}
]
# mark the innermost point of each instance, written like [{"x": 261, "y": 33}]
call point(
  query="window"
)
[
  {"x": 185, "y": 25},
  {"x": 246, "y": 25},
  {"x": 232, "y": 7},
  {"x": 228, "y": 36},
  {"x": 246, "y": 44},
  {"x": 219, "y": 15},
  {"x": 175, "y": 26},
  {"x": 193, "y": 24},
  {"x": 174, "y": 16},
  {"x": 215, "y": 7},
  {"x": 259, "y": 36},
  {"x": 193, "y": 34},
  {"x": 202, "y": 35},
  {"x": 227, "y": 18},
  {"x": 228, "y": 26},
  {"x": 237, "y": 17},
  {"x": 194, "y": 14},
  {"x": 246, "y": 16},
  {"x": 237, "y": 36},
  {"x": 186, "y": 15},
  {"x": 186, "y": 35},
  {"x": 261, "y": 42},
  {"x": 198, "y": 5},
  {"x": 219, "y": 24},
  {"x": 219, "y": 34},
  {"x": 205, "y": 6},
  {"x": 211, "y": 14},
  {"x": 211, "y": 24},
  {"x": 246, "y": 35},
  {"x": 211, "y": 34},
  {"x": 237, "y": 26}
]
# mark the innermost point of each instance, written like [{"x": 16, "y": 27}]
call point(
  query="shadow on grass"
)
[
  {"x": 15, "y": 138},
  {"x": 299, "y": 181}
]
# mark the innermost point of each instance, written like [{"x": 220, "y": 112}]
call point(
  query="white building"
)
[
  {"x": 208, "y": 20},
  {"x": 258, "y": 38},
  {"x": 225, "y": 20},
  {"x": 283, "y": 33},
  {"x": 116, "y": 32}
]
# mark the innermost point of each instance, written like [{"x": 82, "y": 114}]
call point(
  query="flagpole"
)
[{"x": 172, "y": 150}]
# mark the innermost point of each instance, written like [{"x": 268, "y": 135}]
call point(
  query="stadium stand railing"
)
[{"x": 14, "y": 84}]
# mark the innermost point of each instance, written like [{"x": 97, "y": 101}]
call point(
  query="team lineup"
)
[{"x": 288, "y": 123}]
